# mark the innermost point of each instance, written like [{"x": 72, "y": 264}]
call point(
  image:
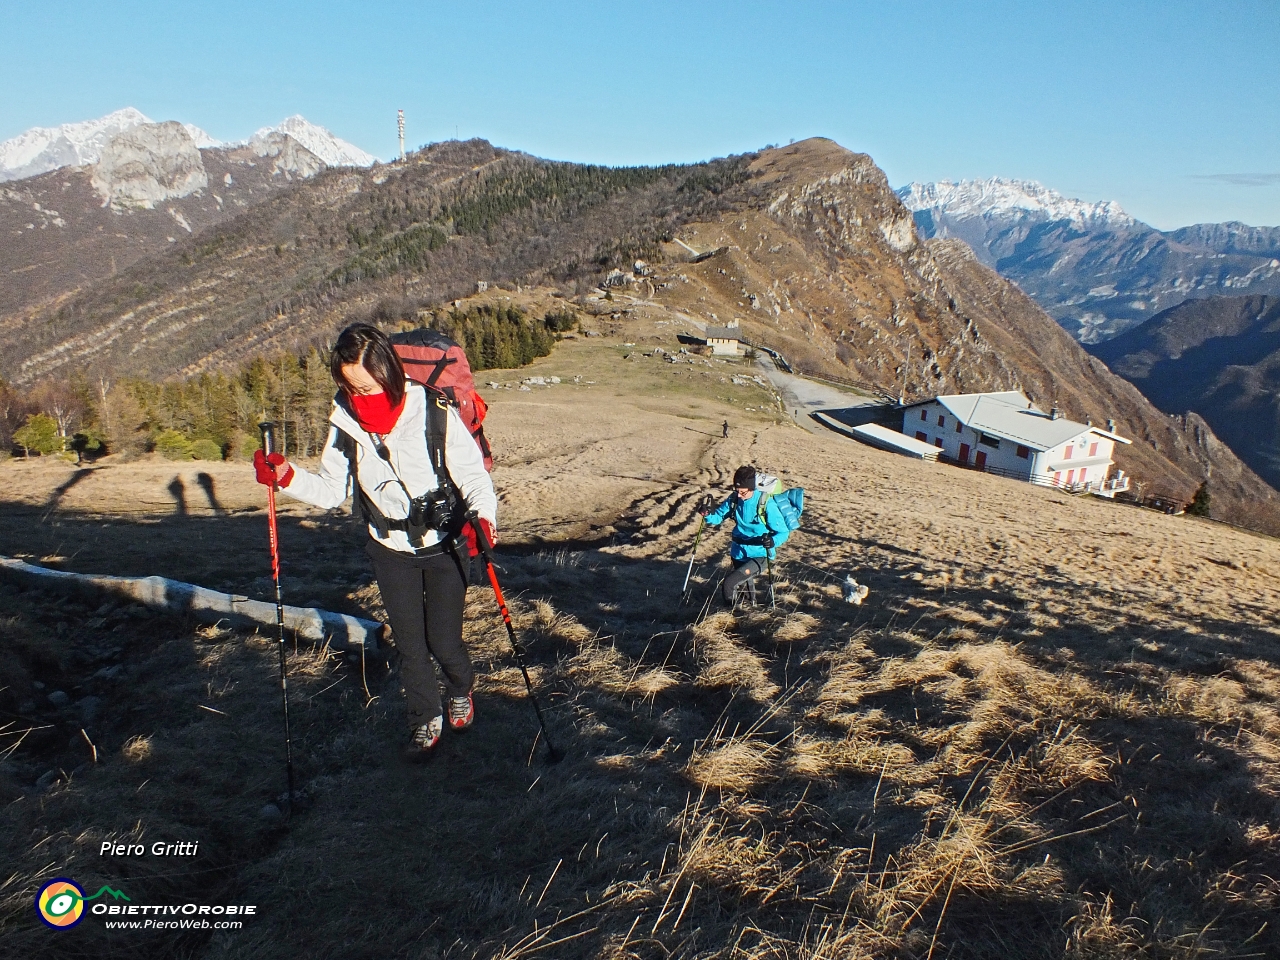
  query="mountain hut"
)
[
  {"x": 725, "y": 341},
  {"x": 1005, "y": 433}
]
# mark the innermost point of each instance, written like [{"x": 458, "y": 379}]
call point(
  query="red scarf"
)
[{"x": 374, "y": 412}]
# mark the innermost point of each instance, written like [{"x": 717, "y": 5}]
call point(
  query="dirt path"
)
[{"x": 802, "y": 397}]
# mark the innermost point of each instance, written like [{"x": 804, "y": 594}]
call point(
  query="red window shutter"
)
[
  {"x": 1067, "y": 454},
  {"x": 924, "y": 414},
  {"x": 921, "y": 436},
  {"x": 942, "y": 421},
  {"x": 1093, "y": 449},
  {"x": 959, "y": 426},
  {"x": 1071, "y": 477},
  {"x": 1057, "y": 479},
  {"x": 1024, "y": 452},
  {"x": 938, "y": 443}
]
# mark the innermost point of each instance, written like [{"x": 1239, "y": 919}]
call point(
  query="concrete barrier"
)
[{"x": 208, "y": 606}]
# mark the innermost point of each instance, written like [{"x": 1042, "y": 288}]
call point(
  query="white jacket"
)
[{"x": 408, "y": 445}]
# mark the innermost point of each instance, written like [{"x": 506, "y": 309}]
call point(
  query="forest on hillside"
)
[{"x": 215, "y": 416}]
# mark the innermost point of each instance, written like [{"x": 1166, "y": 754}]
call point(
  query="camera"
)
[{"x": 434, "y": 510}]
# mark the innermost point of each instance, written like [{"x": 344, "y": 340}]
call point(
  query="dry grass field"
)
[{"x": 1052, "y": 729}]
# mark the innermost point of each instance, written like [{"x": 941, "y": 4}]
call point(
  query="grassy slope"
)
[{"x": 1051, "y": 730}]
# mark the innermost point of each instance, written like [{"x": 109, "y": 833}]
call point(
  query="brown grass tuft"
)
[
  {"x": 737, "y": 765},
  {"x": 136, "y": 749}
]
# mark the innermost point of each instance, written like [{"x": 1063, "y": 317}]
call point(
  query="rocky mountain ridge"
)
[
  {"x": 45, "y": 149},
  {"x": 148, "y": 164},
  {"x": 1092, "y": 267},
  {"x": 126, "y": 187}
]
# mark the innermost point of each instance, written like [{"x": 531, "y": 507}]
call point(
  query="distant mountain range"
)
[
  {"x": 44, "y": 149},
  {"x": 1220, "y": 357},
  {"x": 82, "y": 201},
  {"x": 1091, "y": 266}
]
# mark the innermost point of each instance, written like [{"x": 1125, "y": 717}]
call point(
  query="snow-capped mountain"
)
[
  {"x": 42, "y": 149},
  {"x": 202, "y": 140},
  {"x": 333, "y": 150},
  {"x": 85, "y": 200},
  {"x": 1091, "y": 266},
  {"x": 1010, "y": 199}
]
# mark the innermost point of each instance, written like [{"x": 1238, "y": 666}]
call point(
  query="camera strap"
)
[{"x": 384, "y": 453}]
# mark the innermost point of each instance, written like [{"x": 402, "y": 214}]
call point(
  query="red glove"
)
[
  {"x": 264, "y": 468},
  {"x": 469, "y": 534}
]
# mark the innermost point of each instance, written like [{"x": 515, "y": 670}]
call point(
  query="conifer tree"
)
[{"x": 1199, "y": 506}]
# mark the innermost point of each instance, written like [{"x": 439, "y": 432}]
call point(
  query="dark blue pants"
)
[{"x": 743, "y": 573}]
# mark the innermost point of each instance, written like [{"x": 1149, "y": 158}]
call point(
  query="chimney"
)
[
  {"x": 1055, "y": 413},
  {"x": 1111, "y": 426}
]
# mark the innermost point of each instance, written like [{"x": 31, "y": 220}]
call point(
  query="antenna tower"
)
[{"x": 400, "y": 127}]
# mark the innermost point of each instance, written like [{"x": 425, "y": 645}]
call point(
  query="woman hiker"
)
[
  {"x": 752, "y": 544},
  {"x": 379, "y": 432}
]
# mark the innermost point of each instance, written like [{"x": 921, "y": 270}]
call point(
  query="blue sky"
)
[{"x": 1170, "y": 108}]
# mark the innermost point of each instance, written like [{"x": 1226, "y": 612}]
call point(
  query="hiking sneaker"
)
[
  {"x": 462, "y": 712},
  {"x": 854, "y": 592},
  {"x": 424, "y": 739}
]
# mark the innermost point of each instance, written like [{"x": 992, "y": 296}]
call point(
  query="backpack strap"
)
[
  {"x": 439, "y": 366},
  {"x": 762, "y": 511},
  {"x": 437, "y": 427}
]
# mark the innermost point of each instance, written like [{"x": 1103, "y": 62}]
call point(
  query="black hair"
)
[{"x": 368, "y": 346}]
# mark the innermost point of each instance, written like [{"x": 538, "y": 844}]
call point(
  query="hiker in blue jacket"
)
[{"x": 754, "y": 537}]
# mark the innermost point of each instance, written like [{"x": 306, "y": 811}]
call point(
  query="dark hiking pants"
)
[
  {"x": 743, "y": 573},
  {"x": 424, "y": 597}
]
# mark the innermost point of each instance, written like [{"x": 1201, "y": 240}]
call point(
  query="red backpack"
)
[{"x": 440, "y": 365}]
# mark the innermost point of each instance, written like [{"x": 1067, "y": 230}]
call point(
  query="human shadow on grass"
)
[
  {"x": 321, "y": 557},
  {"x": 60, "y": 491},
  {"x": 206, "y": 483},
  {"x": 178, "y": 490}
]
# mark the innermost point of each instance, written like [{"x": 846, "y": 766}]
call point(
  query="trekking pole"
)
[
  {"x": 486, "y": 549},
  {"x": 684, "y": 591},
  {"x": 768, "y": 564},
  {"x": 268, "y": 448}
]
